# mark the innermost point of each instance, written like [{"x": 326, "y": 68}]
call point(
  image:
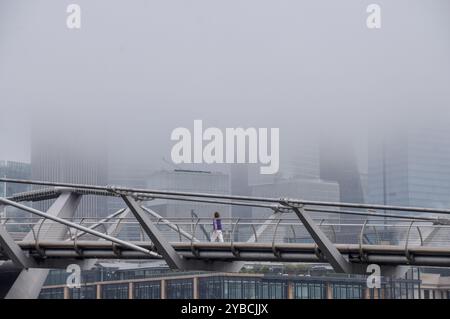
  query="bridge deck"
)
[{"x": 281, "y": 252}]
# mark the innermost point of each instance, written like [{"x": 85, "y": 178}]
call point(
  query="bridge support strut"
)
[
  {"x": 29, "y": 282},
  {"x": 163, "y": 247},
  {"x": 334, "y": 257}
]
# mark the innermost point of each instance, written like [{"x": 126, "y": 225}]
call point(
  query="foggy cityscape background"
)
[{"x": 112, "y": 92}]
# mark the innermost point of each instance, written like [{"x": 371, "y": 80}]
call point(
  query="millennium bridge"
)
[{"x": 347, "y": 236}]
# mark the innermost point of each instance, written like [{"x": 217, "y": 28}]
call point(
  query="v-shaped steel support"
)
[
  {"x": 334, "y": 257},
  {"x": 163, "y": 247}
]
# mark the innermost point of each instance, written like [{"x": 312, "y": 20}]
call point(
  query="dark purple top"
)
[{"x": 217, "y": 224}]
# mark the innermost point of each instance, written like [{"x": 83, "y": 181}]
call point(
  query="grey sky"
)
[{"x": 148, "y": 67}]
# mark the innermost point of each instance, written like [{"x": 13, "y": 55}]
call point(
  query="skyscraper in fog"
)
[
  {"x": 338, "y": 163},
  {"x": 70, "y": 149},
  {"x": 411, "y": 166}
]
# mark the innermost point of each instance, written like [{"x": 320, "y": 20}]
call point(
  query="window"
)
[
  {"x": 309, "y": 290},
  {"x": 52, "y": 293},
  {"x": 115, "y": 291},
  {"x": 233, "y": 289},
  {"x": 248, "y": 289},
  {"x": 347, "y": 291},
  {"x": 211, "y": 288},
  {"x": 275, "y": 289},
  {"x": 84, "y": 292},
  {"x": 147, "y": 290},
  {"x": 179, "y": 289}
]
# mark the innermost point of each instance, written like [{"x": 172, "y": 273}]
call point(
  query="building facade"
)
[
  {"x": 435, "y": 286},
  {"x": 137, "y": 284},
  {"x": 410, "y": 166},
  {"x": 15, "y": 170}
]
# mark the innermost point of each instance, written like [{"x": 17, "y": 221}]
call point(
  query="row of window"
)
[
  {"x": 222, "y": 287},
  {"x": 241, "y": 288}
]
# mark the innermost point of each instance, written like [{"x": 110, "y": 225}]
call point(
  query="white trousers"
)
[{"x": 217, "y": 234}]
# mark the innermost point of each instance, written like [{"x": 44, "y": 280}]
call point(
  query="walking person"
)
[{"x": 217, "y": 228}]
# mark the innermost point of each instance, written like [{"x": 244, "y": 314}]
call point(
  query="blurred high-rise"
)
[
  {"x": 70, "y": 148},
  {"x": 410, "y": 166},
  {"x": 338, "y": 163}
]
